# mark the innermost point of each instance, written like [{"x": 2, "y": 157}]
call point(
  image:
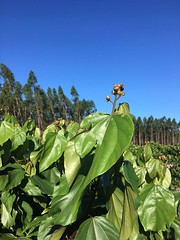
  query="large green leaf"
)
[
  {"x": 118, "y": 132},
  {"x": 165, "y": 177},
  {"x": 84, "y": 142},
  {"x": 92, "y": 119},
  {"x": 14, "y": 178},
  {"x": 31, "y": 189},
  {"x": 147, "y": 152},
  {"x": 153, "y": 167},
  {"x": 129, "y": 217},
  {"x": 56, "y": 235},
  {"x": 66, "y": 207},
  {"x": 6, "y": 131},
  {"x": 130, "y": 175},
  {"x": 28, "y": 212},
  {"x": 44, "y": 229},
  {"x": 116, "y": 208},
  {"x": 52, "y": 175},
  {"x": 123, "y": 108},
  {"x": 117, "y": 137},
  {"x": 97, "y": 228},
  {"x": 72, "y": 129},
  {"x": 157, "y": 209},
  {"x": 10, "y": 166},
  {"x": 9, "y": 236},
  {"x": 3, "y": 181},
  {"x": 141, "y": 173},
  {"x": 176, "y": 227},
  {"x": 52, "y": 151},
  {"x": 45, "y": 186},
  {"x": 18, "y": 138},
  {"x": 7, "y": 212},
  {"x": 122, "y": 213},
  {"x": 71, "y": 162}
]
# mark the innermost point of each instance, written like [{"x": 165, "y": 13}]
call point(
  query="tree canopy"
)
[{"x": 31, "y": 101}]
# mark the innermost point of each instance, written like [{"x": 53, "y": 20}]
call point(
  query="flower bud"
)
[
  {"x": 108, "y": 98},
  {"x": 120, "y": 93}
]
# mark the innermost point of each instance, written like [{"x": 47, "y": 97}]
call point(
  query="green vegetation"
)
[
  {"x": 170, "y": 155},
  {"x": 30, "y": 101},
  {"x": 84, "y": 181}
]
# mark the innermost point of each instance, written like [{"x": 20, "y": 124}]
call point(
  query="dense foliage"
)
[
  {"x": 32, "y": 101},
  {"x": 170, "y": 155},
  {"x": 82, "y": 181}
]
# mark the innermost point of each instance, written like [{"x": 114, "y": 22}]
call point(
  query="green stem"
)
[{"x": 114, "y": 103}]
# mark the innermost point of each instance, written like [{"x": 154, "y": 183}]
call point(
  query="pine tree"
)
[
  {"x": 75, "y": 106},
  {"x": 7, "y": 99},
  {"x": 28, "y": 91},
  {"x": 40, "y": 106},
  {"x": 50, "y": 105}
]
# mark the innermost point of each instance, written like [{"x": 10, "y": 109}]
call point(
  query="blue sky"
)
[{"x": 95, "y": 44}]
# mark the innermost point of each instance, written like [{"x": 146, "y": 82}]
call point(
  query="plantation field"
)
[
  {"x": 86, "y": 181},
  {"x": 170, "y": 155}
]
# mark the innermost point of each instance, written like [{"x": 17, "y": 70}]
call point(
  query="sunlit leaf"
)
[
  {"x": 6, "y": 131},
  {"x": 71, "y": 162},
  {"x": 123, "y": 108},
  {"x": 97, "y": 228},
  {"x": 14, "y": 178},
  {"x": 147, "y": 152},
  {"x": 92, "y": 119},
  {"x": 84, "y": 142},
  {"x": 153, "y": 167},
  {"x": 52, "y": 151},
  {"x": 117, "y": 137},
  {"x": 58, "y": 233},
  {"x": 72, "y": 129},
  {"x": 8, "y": 236},
  {"x": 18, "y": 138},
  {"x": 157, "y": 208},
  {"x": 7, "y": 213},
  {"x": 115, "y": 207},
  {"x": 31, "y": 189}
]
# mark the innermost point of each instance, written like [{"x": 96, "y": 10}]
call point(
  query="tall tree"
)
[
  {"x": 86, "y": 107},
  {"x": 75, "y": 106},
  {"x": 28, "y": 91},
  {"x": 7, "y": 100},
  {"x": 64, "y": 104},
  {"x": 149, "y": 128},
  {"x": 41, "y": 107},
  {"x": 19, "y": 101},
  {"x": 50, "y": 105}
]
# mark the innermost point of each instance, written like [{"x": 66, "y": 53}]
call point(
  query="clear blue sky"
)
[{"x": 93, "y": 44}]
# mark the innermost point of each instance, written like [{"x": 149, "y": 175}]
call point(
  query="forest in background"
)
[{"x": 31, "y": 101}]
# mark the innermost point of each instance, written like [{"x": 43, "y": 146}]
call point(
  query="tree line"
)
[
  {"x": 164, "y": 130},
  {"x": 31, "y": 101}
]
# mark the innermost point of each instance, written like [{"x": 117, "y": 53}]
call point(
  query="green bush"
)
[{"x": 81, "y": 181}]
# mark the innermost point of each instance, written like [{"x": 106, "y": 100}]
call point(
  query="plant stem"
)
[{"x": 114, "y": 103}]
